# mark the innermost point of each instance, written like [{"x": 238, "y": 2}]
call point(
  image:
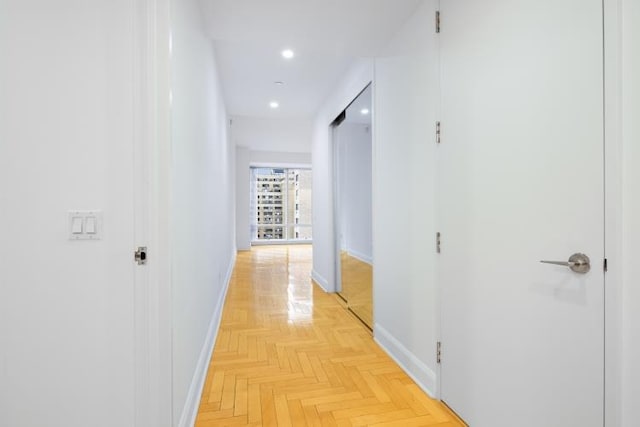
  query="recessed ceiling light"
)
[
  {"x": 288, "y": 54},
  {"x": 279, "y": 83},
  {"x": 364, "y": 111},
  {"x": 274, "y": 104}
]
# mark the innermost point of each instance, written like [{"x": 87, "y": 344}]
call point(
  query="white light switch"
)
[
  {"x": 76, "y": 225},
  {"x": 85, "y": 225},
  {"x": 90, "y": 225}
]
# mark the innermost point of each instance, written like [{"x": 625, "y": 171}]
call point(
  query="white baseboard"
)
[
  {"x": 321, "y": 281},
  {"x": 361, "y": 256},
  {"x": 414, "y": 367},
  {"x": 190, "y": 409}
]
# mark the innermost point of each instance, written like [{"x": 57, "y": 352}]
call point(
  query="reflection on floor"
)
[
  {"x": 287, "y": 354},
  {"x": 357, "y": 286}
]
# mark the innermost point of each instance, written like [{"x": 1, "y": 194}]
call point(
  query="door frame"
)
[
  {"x": 613, "y": 210},
  {"x": 152, "y": 196},
  {"x": 337, "y": 262}
]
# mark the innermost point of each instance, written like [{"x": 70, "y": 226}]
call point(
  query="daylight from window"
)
[{"x": 280, "y": 204}]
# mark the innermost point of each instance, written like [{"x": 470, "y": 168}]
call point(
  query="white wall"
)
[
  {"x": 405, "y": 100},
  {"x": 203, "y": 205},
  {"x": 272, "y": 134},
  {"x": 405, "y": 292},
  {"x": 245, "y": 158},
  {"x": 631, "y": 213},
  {"x": 66, "y": 142},
  {"x": 355, "y": 80},
  {"x": 355, "y": 145}
]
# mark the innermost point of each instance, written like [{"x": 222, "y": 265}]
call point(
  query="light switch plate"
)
[{"x": 84, "y": 217}]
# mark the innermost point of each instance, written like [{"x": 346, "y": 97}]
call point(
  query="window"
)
[{"x": 281, "y": 198}]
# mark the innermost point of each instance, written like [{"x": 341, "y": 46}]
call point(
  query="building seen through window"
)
[{"x": 281, "y": 204}]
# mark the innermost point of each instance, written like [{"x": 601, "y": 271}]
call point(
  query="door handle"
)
[{"x": 579, "y": 263}]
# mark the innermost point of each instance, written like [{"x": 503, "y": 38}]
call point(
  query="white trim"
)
[
  {"x": 153, "y": 348},
  {"x": 414, "y": 367},
  {"x": 335, "y": 208},
  {"x": 142, "y": 143},
  {"x": 160, "y": 220},
  {"x": 320, "y": 281},
  {"x": 190, "y": 409},
  {"x": 438, "y": 212},
  {"x": 367, "y": 259},
  {"x": 613, "y": 211}
]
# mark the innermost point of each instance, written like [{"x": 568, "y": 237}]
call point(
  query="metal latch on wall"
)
[{"x": 140, "y": 255}]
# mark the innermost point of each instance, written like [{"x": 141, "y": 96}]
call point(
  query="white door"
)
[{"x": 521, "y": 180}]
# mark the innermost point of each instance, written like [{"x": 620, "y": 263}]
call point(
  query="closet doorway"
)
[{"x": 352, "y": 139}]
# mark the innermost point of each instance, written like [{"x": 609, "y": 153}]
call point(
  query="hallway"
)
[
  {"x": 504, "y": 211},
  {"x": 288, "y": 353}
]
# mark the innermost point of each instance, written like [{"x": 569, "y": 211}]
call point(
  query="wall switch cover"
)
[{"x": 85, "y": 225}]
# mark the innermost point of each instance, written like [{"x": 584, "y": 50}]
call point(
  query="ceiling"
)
[{"x": 326, "y": 36}]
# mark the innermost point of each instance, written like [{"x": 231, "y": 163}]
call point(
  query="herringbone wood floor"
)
[{"x": 288, "y": 354}]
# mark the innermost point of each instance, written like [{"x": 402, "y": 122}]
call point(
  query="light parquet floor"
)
[{"x": 288, "y": 354}]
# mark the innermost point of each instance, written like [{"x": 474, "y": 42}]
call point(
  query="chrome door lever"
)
[{"x": 579, "y": 263}]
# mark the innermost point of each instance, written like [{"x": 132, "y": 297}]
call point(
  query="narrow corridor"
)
[{"x": 289, "y": 354}]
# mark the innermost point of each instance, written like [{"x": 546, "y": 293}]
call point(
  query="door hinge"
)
[
  {"x": 438, "y": 242},
  {"x": 140, "y": 255},
  {"x": 437, "y": 132},
  {"x": 438, "y": 352},
  {"x": 605, "y": 266},
  {"x": 437, "y": 21}
]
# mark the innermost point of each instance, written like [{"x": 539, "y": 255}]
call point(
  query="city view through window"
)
[{"x": 280, "y": 204}]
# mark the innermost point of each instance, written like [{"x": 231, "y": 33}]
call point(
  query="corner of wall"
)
[{"x": 321, "y": 281}]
